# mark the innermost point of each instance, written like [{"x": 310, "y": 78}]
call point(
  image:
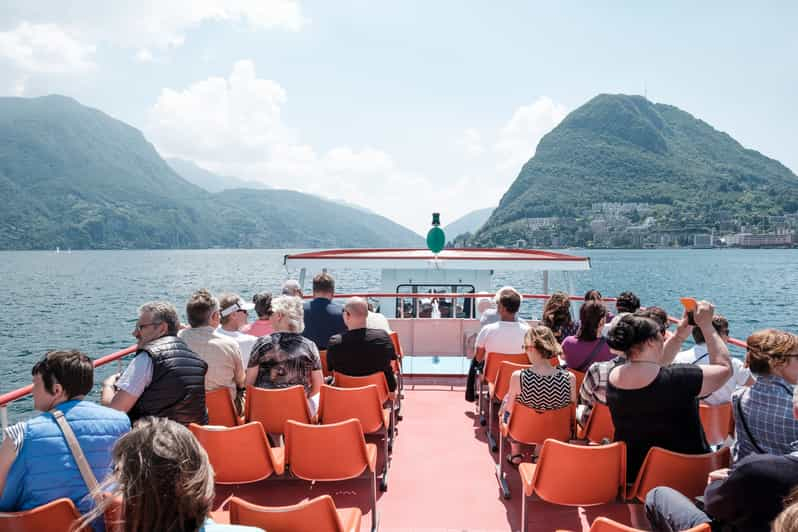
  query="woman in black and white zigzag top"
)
[{"x": 541, "y": 387}]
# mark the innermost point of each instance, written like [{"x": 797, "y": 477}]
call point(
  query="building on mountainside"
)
[
  {"x": 703, "y": 241},
  {"x": 749, "y": 240}
]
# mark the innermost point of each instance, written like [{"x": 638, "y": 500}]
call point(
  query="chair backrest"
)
[
  {"x": 530, "y": 426},
  {"x": 397, "y": 345},
  {"x": 378, "y": 379},
  {"x": 238, "y": 454},
  {"x": 599, "y": 424},
  {"x": 273, "y": 407},
  {"x": 579, "y": 376},
  {"x": 494, "y": 360},
  {"x": 686, "y": 473},
  {"x": 315, "y": 515},
  {"x": 55, "y": 516},
  {"x": 580, "y": 475},
  {"x": 220, "y": 408},
  {"x": 326, "y": 452},
  {"x": 502, "y": 382},
  {"x": 603, "y": 524},
  {"x": 716, "y": 420},
  {"x": 325, "y": 368},
  {"x": 363, "y": 404}
]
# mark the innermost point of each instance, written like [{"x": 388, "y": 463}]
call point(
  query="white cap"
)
[{"x": 235, "y": 307}]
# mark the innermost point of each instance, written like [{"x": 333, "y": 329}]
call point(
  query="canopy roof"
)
[{"x": 450, "y": 259}]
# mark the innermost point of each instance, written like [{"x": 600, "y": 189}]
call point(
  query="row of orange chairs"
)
[{"x": 601, "y": 474}]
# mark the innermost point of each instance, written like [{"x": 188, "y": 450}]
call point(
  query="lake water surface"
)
[{"x": 88, "y": 299}]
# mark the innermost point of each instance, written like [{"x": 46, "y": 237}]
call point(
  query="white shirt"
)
[
  {"x": 245, "y": 342},
  {"x": 375, "y": 320},
  {"x": 502, "y": 337},
  {"x": 740, "y": 374},
  {"x": 137, "y": 376}
]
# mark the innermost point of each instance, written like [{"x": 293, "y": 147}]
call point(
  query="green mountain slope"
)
[
  {"x": 71, "y": 176},
  {"x": 626, "y": 149},
  {"x": 193, "y": 173},
  {"x": 468, "y": 223}
]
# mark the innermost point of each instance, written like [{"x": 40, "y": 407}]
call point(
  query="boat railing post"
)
[
  {"x": 3, "y": 420},
  {"x": 546, "y": 281}
]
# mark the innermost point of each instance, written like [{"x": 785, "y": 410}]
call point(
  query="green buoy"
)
[{"x": 436, "y": 238}]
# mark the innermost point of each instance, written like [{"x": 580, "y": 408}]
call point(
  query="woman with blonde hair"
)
[
  {"x": 763, "y": 413},
  {"x": 557, "y": 316},
  {"x": 164, "y": 479},
  {"x": 541, "y": 387}
]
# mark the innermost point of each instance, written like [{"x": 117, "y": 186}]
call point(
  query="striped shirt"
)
[
  {"x": 545, "y": 392},
  {"x": 768, "y": 413},
  {"x": 16, "y": 433}
]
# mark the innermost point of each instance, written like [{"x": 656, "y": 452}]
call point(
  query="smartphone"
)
[{"x": 689, "y": 304}]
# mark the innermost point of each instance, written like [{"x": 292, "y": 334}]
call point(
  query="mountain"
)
[
  {"x": 654, "y": 163},
  {"x": 468, "y": 223},
  {"x": 73, "y": 177},
  {"x": 193, "y": 173}
]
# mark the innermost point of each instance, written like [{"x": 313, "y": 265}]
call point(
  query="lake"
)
[{"x": 88, "y": 299}]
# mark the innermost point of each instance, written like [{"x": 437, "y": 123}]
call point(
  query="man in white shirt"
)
[
  {"x": 507, "y": 334},
  {"x": 698, "y": 354},
  {"x": 233, "y": 316}
]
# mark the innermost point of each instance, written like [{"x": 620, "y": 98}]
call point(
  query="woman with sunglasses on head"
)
[
  {"x": 541, "y": 387},
  {"x": 656, "y": 404}
]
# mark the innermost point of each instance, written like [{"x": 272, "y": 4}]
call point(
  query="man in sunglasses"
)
[{"x": 166, "y": 378}]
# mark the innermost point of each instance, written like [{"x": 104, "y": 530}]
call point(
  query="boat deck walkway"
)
[{"x": 441, "y": 478}]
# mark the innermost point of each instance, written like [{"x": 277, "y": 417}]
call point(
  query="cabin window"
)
[{"x": 431, "y": 296}]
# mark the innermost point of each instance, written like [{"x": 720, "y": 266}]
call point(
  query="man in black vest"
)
[{"x": 166, "y": 379}]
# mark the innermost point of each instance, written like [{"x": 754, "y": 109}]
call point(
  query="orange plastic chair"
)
[
  {"x": 328, "y": 453},
  {"x": 602, "y": 524},
  {"x": 315, "y": 515},
  {"x": 55, "y": 516},
  {"x": 716, "y": 420},
  {"x": 325, "y": 369},
  {"x": 574, "y": 475},
  {"x": 488, "y": 375},
  {"x": 397, "y": 368},
  {"x": 378, "y": 379},
  {"x": 239, "y": 455},
  {"x": 496, "y": 392},
  {"x": 363, "y": 404},
  {"x": 686, "y": 473},
  {"x": 220, "y": 408},
  {"x": 529, "y": 427},
  {"x": 599, "y": 425},
  {"x": 580, "y": 376},
  {"x": 273, "y": 407}
]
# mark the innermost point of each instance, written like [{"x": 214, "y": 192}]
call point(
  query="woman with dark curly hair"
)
[
  {"x": 557, "y": 316},
  {"x": 164, "y": 479},
  {"x": 655, "y": 404},
  {"x": 763, "y": 413}
]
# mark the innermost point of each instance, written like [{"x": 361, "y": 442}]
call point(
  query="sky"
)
[{"x": 403, "y": 107}]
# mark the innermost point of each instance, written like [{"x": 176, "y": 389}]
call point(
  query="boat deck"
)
[{"x": 441, "y": 478}]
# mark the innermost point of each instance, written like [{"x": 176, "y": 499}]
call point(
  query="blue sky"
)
[{"x": 405, "y": 107}]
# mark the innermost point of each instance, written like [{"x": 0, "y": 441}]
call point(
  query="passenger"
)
[
  {"x": 656, "y": 404},
  {"x": 285, "y": 357},
  {"x": 595, "y": 295},
  {"x": 787, "y": 521},
  {"x": 323, "y": 317},
  {"x": 627, "y": 302},
  {"x": 233, "y": 317},
  {"x": 507, "y": 334},
  {"x": 291, "y": 288},
  {"x": 745, "y": 498},
  {"x": 36, "y": 463},
  {"x": 361, "y": 350},
  {"x": 541, "y": 387},
  {"x": 166, "y": 378},
  {"x": 222, "y": 354},
  {"x": 164, "y": 479},
  {"x": 376, "y": 320},
  {"x": 557, "y": 316},
  {"x": 763, "y": 413},
  {"x": 698, "y": 355},
  {"x": 486, "y": 311},
  {"x": 588, "y": 346},
  {"x": 263, "y": 308}
]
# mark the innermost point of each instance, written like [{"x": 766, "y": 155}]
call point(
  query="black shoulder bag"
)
[{"x": 744, "y": 423}]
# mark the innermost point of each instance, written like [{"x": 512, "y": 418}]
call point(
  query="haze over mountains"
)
[
  {"x": 468, "y": 223},
  {"x": 660, "y": 172},
  {"x": 197, "y": 175},
  {"x": 73, "y": 177}
]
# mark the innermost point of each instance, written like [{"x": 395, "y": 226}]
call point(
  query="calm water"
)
[{"x": 88, "y": 299}]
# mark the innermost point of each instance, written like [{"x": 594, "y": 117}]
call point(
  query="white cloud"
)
[
  {"x": 45, "y": 48},
  {"x": 144, "y": 56},
  {"x": 153, "y": 24},
  {"x": 471, "y": 142},
  {"x": 519, "y": 138}
]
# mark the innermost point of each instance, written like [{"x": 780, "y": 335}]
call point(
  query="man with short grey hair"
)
[
  {"x": 291, "y": 288},
  {"x": 166, "y": 378},
  {"x": 361, "y": 351}
]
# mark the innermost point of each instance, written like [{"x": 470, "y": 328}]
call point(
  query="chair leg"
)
[
  {"x": 500, "y": 469},
  {"x": 384, "y": 481},
  {"x": 524, "y": 525},
  {"x": 392, "y": 428},
  {"x": 491, "y": 439},
  {"x": 375, "y": 517},
  {"x": 480, "y": 399}
]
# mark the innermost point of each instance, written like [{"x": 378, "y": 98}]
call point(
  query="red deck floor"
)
[{"x": 441, "y": 478}]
